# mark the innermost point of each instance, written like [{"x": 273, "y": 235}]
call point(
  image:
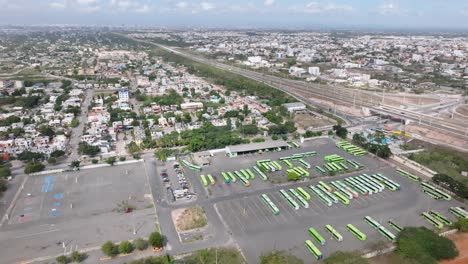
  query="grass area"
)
[
  {"x": 191, "y": 218},
  {"x": 442, "y": 160},
  {"x": 213, "y": 256}
]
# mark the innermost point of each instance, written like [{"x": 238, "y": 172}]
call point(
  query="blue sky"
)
[{"x": 411, "y": 14}]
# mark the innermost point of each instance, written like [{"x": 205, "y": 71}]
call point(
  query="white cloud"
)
[
  {"x": 317, "y": 7},
  {"x": 57, "y": 5},
  {"x": 130, "y": 6},
  {"x": 389, "y": 9},
  {"x": 181, "y": 5},
  {"x": 269, "y": 2},
  {"x": 206, "y": 6}
]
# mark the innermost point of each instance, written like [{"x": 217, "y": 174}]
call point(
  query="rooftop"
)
[{"x": 256, "y": 146}]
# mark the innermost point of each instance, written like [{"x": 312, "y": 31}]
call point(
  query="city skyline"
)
[{"x": 433, "y": 14}]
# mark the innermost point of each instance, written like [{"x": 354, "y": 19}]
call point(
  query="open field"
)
[
  {"x": 189, "y": 218},
  {"x": 77, "y": 210},
  {"x": 305, "y": 121},
  {"x": 258, "y": 231}
]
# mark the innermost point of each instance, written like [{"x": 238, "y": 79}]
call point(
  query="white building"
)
[
  {"x": 293, "y": 107},
  {"x": 123, "y": 96},
  {"x": 314, "y": 71}
]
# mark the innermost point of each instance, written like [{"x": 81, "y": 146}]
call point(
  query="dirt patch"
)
[
  {"x": 462, "y": 110},
  {"x": 305, "y": 121},
  {"x": 189, "y": 218},
  {"x": 412, "y": 99},
  {"x": 461, "y": 241},
  {"x": 433, "y": 134}
]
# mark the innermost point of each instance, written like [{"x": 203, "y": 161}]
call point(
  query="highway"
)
[{"x": 347, "y": 96}]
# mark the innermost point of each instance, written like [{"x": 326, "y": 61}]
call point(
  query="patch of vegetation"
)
[
  {"x": 33, "y": 166},
  {"x": 214, "y": 256},
  {"x": 443, "y": 160},
  {"x": 153, "y": 260},
  {"x": 191, "y": 218},
  {"x": 156, "y": 240},
  {"x": 424, "y": 246},
  {"x": 86, "y": 149},
  {"x": 279, "y": 257},
  {"x": 458, "y": 187},
  {"x": 461, "y": 224},
  {"x": 340, "y": 257}
]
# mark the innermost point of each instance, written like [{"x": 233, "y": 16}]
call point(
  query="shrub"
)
[
  {"x": 125, "y": 247},
  {"x": 62, "y": 259},
  {"x": 52, "y": 160},
  {"x": 274, "y": 137},
  {"x": 94, "y": 161},
  {"x": 32, "y": 167},
  {"x": 77, "y": 256},
  {"x": 461, "y": 224},
  {"x": 140, "y": 244},
  {"x": 109, "y": 249},
  {"x": 122, "y": 159}
]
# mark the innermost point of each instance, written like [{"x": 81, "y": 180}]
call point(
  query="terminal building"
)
[{"x": 237, "y": 150}]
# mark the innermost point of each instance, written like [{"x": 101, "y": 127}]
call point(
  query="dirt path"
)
[{"x": 461, "y": 241}]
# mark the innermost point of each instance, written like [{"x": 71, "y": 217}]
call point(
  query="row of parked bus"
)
[
  {"x": 190, "y": 165},
  {"x": 350, "y": 148},
  {"x": 408, "y": 175},
  {"x": 436, "y": 219},
  {"x": 434, "y": 192},
  {"x": 269, "y": 165},
  {"x": 316, "y": 236},
  {"x": 338, "y": 167},
  {"x": 205, "y": 179},
  {"x": 299, "y": 171}
]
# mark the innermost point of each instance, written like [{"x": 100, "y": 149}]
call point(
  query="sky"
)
[{"x": 267, "y": 14}]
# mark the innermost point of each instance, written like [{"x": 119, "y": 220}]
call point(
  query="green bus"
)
[
  {"x": 408, "y": 175},
  {"x": 259, "y": 172},
  {"x": 304, "y": 163},
  {"x": 432, "y": 220},
  {"x": 226, "y": 177},
  {"x": 387, "y": 234},
  {"x": 341, "y": 198},
  {"x": 356, "y": 232},
  {"x": 203, "y": 180},
  {"x": 210, "y": 177},
  {"x": 319, "y": 170},
  {"x": 274, "y": 209},
  {"x": 444, "y": 220},
  {"x": 316, "y": 235},
  {"x": 313, "y": 249},
  {"x": 458, "y": 212},
  {"x": 337, "y": 236},
  {"x": 303, "y": 193},
  {"x": 231, "y": 175},
  {"x": 288, "y": 163},
  {"x": 289, "y": 199},
  {"x": 445, "y": 196},
  {"x": 395, "y": 226},
  {"x": 299, "y": 198},
  {"x": 252, "y": 176}
]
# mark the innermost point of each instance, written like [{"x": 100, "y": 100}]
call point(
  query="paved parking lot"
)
[
  {"x": 78, "y": 210},
  {"x": 258, "y": 231}
]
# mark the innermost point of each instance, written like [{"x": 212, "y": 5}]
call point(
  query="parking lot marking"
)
[
  {"x": 280, "y": 203},
  {"x": 251, "y": 211},
  {"x": 58, "y": 195},
  {"x": 39, "y": 233},
  {"x": 240, "y": 222},
  {"x": 262, "y": 211}
]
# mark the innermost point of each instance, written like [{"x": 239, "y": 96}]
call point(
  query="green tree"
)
[
  {"x": 340, "y": 131},
  {"x": 461, "y": 224},
  {"x": 57, "y": 153},
  {"x": 52, "y": 160},
  {"x": 86, "y": 149},
  {"x": 133, "y": 147},
  {"x": 156, "y": 240},
  {"x": 109, "y": 249},
  {"x": 33, "y": 166},
  {"x": 125, "y": 247},
  {"x": 424, "y": 246},
  {"x": 46, "y": 131}
]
